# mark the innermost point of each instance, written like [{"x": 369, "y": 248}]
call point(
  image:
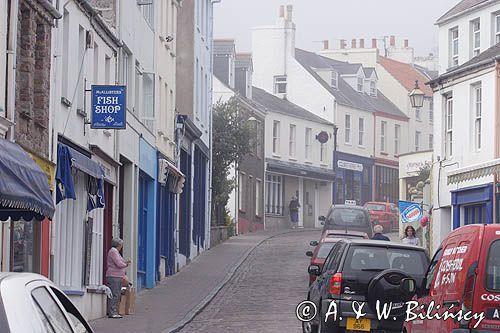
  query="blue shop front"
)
[
  {"x": 354, "y": 179},
  {"x": 146, "y": 229},
  {"x": 472, "y": 205}
]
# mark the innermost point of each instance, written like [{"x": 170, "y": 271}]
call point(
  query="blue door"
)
[
  {"x": 142, "y": 231},
  {"x": 185, "y": 207},
  {"x": 165, "y": 229}
]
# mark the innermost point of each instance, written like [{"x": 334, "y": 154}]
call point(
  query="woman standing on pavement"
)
[
  {"x": 115, "y": 273},
  {"x": 294, "y": 211},
  {"x": 410, "y": 236}
]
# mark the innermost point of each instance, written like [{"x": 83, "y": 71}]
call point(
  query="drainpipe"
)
[
  {"x": 11, "y": 64},
  {"x": 496, "y": 136}
]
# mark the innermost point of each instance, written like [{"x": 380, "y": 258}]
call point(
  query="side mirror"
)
[
  {"x": 322, "y": 218},
  {"x": 309, "y": 253},
  {"x": 408, "y": 286},
  {"x": 313, "y": 243},
  {"x": 314, "y": 270}
]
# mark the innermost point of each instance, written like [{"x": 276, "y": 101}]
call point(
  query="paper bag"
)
[
  {"x": 130, "y": 301},
  {"x": 123, "y": 303}
]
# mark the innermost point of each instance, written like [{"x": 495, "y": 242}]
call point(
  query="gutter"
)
[
  {"x": 51, "y": 9},
  {"x": 98, "y": 18},
  {"x": 478, "y": 66}
]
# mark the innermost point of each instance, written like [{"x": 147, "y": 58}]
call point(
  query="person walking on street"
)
[
  {"x": 410, "y": 236},
  {"x": 378, "y": 230},
  {"x": 115, "y": 273},
  {"x": 294, "y": 211}
]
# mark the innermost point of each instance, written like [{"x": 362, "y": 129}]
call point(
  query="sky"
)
[{"x": 317, "y": 20}]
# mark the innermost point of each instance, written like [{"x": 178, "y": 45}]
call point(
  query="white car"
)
[{"x": 32, "y": 303}]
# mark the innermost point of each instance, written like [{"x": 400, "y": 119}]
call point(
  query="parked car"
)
[
  {"x": 31, "y": 303},
  {"x": 383, "y": 213},
  {"x": 364, "y": 271},
  {"x": 321, "y": 251},
  {"x": 465, "y": 273},
  {"x": 344, "y": 234},
  {"x": 347, "y": 218}
]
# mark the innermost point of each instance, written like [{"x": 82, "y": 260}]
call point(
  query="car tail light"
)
[{"x": 335, "y": 284}]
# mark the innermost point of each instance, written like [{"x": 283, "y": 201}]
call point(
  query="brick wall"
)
[{"x": 33, "y": 77}]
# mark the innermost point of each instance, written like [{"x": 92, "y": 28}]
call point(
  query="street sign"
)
[
  {"x": 410, "y": 211},
  {"x": 322, "y": 137},
  {"x": 109, "y": 110}
]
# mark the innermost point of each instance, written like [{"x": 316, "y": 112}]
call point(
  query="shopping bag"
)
[
  {"x": 122, "y": 308},
  {"x": 130, "y": 301}
]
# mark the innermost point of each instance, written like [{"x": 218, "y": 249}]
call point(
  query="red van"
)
[{"x": 463, "y": 275}]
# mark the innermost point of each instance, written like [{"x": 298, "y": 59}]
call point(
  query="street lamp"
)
[
  {"x": 335, "y": 130},
  {"x": 416, "y": 96}
]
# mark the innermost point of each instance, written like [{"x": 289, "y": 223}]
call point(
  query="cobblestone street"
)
[{"x": 264, "y": 292}]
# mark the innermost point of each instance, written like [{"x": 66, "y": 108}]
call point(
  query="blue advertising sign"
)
[
  {"x": 410, "y": 211},
  {"x": 109, "y": 110}
]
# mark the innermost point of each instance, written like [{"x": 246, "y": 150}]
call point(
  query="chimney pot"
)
[
  {"x": 406, "y": 43},
  {"x": 353, "y": 43},
  {"x": 362, "y": 43},
  {"x": 282, "y": 11},
  {"x": 374, "y": 43},
  {"x": 393, "y": 40},
  {"x": 325, "y": 44}
]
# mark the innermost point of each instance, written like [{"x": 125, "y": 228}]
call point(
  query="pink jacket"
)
[{"x": 116, "y": 265}]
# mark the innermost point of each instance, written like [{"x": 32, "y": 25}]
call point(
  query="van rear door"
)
[{"x": 487, "y": 293}]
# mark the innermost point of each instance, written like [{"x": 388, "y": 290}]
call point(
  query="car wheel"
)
[{"x": 385, "y": 287}]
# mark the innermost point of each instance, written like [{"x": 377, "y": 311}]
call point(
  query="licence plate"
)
[{"x": 358, "y": 324}]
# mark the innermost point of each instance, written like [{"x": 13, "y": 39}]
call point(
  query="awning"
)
[
  {"x": 300, "y": 170},
  {"x": 474, "y": 171},
  {"x": 24, "y": 187},
  {"x": 68, "y": 158},
  {"x": 175, "y": 177}
]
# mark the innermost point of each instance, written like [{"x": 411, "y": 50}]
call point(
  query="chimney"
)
[
  {"x": 325, "y": 45},
  {"x": 289, "y": 10},
  {"x": 374, "y": 43},
  {"x": 353, "y": 43},
  {"x": 406, "y": 43},
  {"x": 393, "y": 40},
  {"x": 342, "y": 44},
  {"x": 282, "y": 11},
  {"x": 361, "y": 43}
]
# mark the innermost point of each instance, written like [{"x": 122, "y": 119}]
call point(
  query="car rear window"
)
[
  {"x": 324, "y": 250},
  {"x": 375, "y": 207},
  {"x": 372, "y": 258},
  {"x": 493, "y": 267},
  {"x": 346, "y": 217},
  {"x": 345, "y": 236}
]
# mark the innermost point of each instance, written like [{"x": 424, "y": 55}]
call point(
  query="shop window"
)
[
  {"x": 274, "y": 189},
  {"x": 25, "y": 246}
]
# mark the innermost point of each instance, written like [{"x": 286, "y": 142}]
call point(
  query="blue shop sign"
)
[
  {"x": 109, "y": 110},
  {"x": 410, "y": 211}
]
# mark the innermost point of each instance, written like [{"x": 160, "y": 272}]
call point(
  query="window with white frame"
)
[
  {"x": 476, "y": 37},
  {"x": 293, "y": 140},
  {"x": 397, "y": 136},
  {"x": 383, "y": 136},
  {"x": 308, "y": 143},
  {"x": 276, "y": 137},
  {"x": 347, "y": 127},
  {"x": 258, "y": 187},
  {"x": 431, "y": 111},
  {"x": 418, "y": 114},
  {"x": 373, "y": 88},
  {"x": 274, "y": 191},
  {"x": 138, "y": 88},
  {"x": 449, "y": 125},
  {"x": 477, "y": 114},
  {"x": 454, "y": 47},
  {"x": 147, "y": 9},
  {"x": 334, "y": 80},
  {"x": 418, "y": 135},
  {"x": 431, "y": 141},
  {"x": 361, "y": 127},
  {"x": 497, "y": 28},
  {"x": 322, "y": 153},
  {"x": 360, "y": 84},
  {"x": 280, "y": 84}
]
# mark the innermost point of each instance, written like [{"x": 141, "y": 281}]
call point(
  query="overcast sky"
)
[{"x": 317, "y": 20}]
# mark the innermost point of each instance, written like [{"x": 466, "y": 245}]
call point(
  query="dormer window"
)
[
  {"x": 334, "y": 80},
  {"x": 360, "y": 84},
  {"x": 373, "y": 88},
  {"x": 280, "y": 84}
]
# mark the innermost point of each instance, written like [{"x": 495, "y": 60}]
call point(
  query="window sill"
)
[
  {"x": 323, "y": 165},
  {"x": 348, "y": 143},
  {"x": 74, "y": 292},
  {"x": 276, "y": 155},
  {"x": 384, "y": 153},
  {"x": 292, "y": 159},
  {"x": 242, "y": 211},
  {"x": 308, "y": 162},
  {"x": 361, "y": 147},
  {"x": 94, "y": 291}
]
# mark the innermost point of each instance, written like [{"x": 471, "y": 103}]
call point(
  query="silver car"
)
[{"x": 32, "y": 303}]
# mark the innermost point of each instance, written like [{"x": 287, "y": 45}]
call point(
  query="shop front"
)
[
  {"x": 354, "y": 179},
  {"x": 472, "y": 205}
]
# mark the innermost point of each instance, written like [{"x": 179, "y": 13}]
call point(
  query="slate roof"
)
[
  {"x": 369, "y": 71},
  {"x": 487, "y": 58},
  {"x": 459, "y": 8},
  {"x": 224, "y": 46},
  {"x": 275, "y": 104},
  {"x": 345, "y": 94},
  {"x": 406, "y": 74}
]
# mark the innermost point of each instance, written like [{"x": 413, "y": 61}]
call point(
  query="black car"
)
[
  {"x": 344, "y": 217},
  {"x": 364, "y": 271}
]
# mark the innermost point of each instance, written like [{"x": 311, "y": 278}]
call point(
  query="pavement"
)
[
  {"x": 177, "y": 298},
  {"x": 259, "y": 276}
]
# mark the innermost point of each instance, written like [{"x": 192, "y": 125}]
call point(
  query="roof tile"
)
[{"x": 406, "y": 74}]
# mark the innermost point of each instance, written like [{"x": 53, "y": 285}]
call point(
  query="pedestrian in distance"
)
[
  {"x": 378, "y": 233},
  {"x": 294, "y": 211},
  {"x": 115, "y": 273},
  {"x": 411, "y": 236}
]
